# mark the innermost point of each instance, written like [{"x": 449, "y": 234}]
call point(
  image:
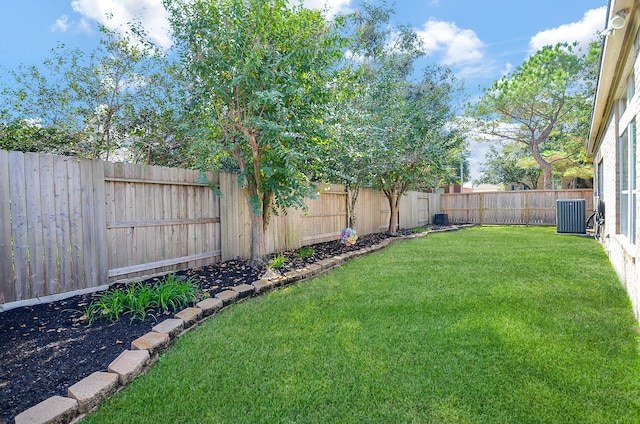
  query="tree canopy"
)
[
  {"x": 510, "y": 164},
  {"x": 96, "y": 103},
  {"x": 258, "y": 75},
  {"x": 395, "y": 131},
  {"x": 543, "y": 104}
]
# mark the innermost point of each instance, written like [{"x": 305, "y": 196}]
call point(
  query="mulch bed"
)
[{"x": 47, "y": 348}]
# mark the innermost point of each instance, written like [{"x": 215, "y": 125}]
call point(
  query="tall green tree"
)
[
  {"x": 99, "y": 99},
  {"x": 415, "y": 137},
  {"x": 259, "y": 74},
  {"x": 397, "y": 130},
  {"x": 548, "y": 94},
  {"x": 510, "y": 164},
  {"x": 347, "y": 159}
]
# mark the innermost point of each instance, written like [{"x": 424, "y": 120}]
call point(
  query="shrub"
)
[
  {"x": 138, "y": 300},
  {"x": 278, "y": 261},
  {"x": 305, "y": 252},
  {"x": 175, "y": 292}
]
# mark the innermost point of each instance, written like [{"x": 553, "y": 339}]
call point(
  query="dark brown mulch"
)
[{"x": 46, "y": 348}]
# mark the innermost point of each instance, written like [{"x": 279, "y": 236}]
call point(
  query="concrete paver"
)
[
  {"x": 90, "y": 391},
  {"x": 55, "y": 410}
]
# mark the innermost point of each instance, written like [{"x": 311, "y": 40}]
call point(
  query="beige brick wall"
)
[{"x": 624, "y": 256}]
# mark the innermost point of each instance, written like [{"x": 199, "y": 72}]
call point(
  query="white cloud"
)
[
  {"x": 459, "y": 46},
  {"x": 477, "y": 157},
  {"x": 582, "y": 31},
  {"x": 117, "y": 14},
  {"x": 62, "y": 24},
  {"x": 84, "y": 25},
  {"x": 333, "y": 6},
  {"x": 476, "y": 71}
]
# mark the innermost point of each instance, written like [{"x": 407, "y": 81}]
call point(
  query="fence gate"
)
[{"x": 423, "y": 210}]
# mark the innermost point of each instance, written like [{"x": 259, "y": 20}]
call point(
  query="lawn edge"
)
[{"x": 145, "y": 351}]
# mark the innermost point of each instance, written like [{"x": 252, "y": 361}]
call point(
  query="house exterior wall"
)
[
  {"x": 614, "y": 112},
  {"x": 624, "y": 256}
]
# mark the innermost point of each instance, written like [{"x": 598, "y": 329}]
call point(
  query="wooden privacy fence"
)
[
  {"x": 158, "y": 218},
  {"x": 73, "y": 225},
  {"x": 322, "y": 221},
  {"x": 531, "y": 207},
  {"x": 69, "y": 224}
]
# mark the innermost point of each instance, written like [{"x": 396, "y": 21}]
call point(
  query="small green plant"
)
[
  {"x": 138, "y": 300},
  {"x": 278, "y": 261},
  {"x": 305, "y": 252},
  {"x": 418, "y": 229},
  {"x": 175, "y": 292}
]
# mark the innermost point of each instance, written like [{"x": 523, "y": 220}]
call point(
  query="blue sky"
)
[{"x": 480, "y": 40}]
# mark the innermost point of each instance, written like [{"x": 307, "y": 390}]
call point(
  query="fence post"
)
[
  {"x": 100, "y": 220},
  {"x": 527, "y": 210}
]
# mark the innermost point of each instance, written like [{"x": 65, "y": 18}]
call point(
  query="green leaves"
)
[
  {"x": 257, "y": 72},
  {"x": 391, "y": 130},
  {"x": 510, "y": 164},
  {"x": 138, "y": 300},
  {"x": 116, "y": 97},
  {"x": 545, "y": 101},
  {"x": 277, "y": 262}
]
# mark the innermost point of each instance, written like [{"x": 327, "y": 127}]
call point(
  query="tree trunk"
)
[
  {"x": 548, "y": 179},
  {"x": 259, "y": 203},
  {"x": 544, "y": 165},
  {"x": 392, "y": 197},
  {"x": 393, "y": 220},
  {"x": 352, "y": 199},
  {"x": 259, "y": 221},
  {"x": 257, "y": 251}
]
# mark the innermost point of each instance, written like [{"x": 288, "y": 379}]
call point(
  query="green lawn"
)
[{"x": 483, "y": 325}]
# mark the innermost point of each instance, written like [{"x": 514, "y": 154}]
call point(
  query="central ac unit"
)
[{"x": 571, "y": 216}]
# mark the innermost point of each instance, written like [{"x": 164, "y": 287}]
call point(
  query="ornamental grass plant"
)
[
  {"x": 138, "y": 300},
  {"x": 484, "y": 325}
]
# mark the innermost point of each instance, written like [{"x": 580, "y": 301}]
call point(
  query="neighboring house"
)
[
  {"x": 558, "y": 183},
  {"x": 612, "y": 142},
  {"x": 469, "y": 187}
]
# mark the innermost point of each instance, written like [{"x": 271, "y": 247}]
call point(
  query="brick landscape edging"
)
[{"x": 87, "y": 394}]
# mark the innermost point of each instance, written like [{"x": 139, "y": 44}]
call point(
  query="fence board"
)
[
  {"x": 415, "y": 209},
  {"x": 385, "y": 213},
  {"x": 19, "y": 225},
  {"x": 367, "y": 212},
  {"x": 6, "y": 258},
  {"x": 99, "y": 273},
  {"x": 531, "y": 207},
  {"x": 34, "y": 227},
  {"x": 162, "y": 214},
  {"x": 229, "y": 217},
  {"x": 49, "y": 228},
  {"x": 75, "y": 225},
  {"x": 63, "y": 232},
  {"x": 423, "y": 209},
  {"x": 325, "y": 217}
]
